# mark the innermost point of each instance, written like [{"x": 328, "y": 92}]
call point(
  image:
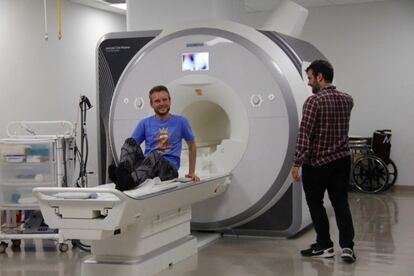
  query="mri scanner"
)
[{"x": 242, "y": 90}]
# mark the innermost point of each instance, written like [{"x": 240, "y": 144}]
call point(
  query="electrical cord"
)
[
  {"x": 83, "y": 154},
  {"x": 65, "y": 168},
  {"x": 82, "y": 246}
]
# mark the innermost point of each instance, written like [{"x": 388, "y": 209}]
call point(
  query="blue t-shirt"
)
[{"x": 165, "y": 136}]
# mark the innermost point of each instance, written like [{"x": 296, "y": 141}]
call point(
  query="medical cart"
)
[{"x": 35, "y": 154}]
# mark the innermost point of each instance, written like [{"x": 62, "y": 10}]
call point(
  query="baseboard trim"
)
[{"x": 402, "y": 188}]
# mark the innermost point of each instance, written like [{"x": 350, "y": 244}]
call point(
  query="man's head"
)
[
  {"x": 160, "y": 100},
  {"x": 320, "y": 73}
]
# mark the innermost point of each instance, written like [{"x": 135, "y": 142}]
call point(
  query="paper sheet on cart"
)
[
  {"x": 149, "y": 187},
  {"x": 83, "y": 195},
  {"x": 152, "y": 186}
]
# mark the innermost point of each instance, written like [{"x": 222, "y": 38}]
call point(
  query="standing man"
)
[
  {"x": 163, "y": 134},
  {"x": 323, "y": 153}
]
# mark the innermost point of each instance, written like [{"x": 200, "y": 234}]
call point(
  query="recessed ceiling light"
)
[{"x": 120, "y": 6}]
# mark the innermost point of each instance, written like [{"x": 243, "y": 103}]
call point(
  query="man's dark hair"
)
[
  {"x": 159, "y": 88},
  {"x": 323, "y": 67}
]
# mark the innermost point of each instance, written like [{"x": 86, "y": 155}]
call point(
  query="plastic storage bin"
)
[
  {"x": 37, "y": 153},
  {"x": 24, "y": 165}
]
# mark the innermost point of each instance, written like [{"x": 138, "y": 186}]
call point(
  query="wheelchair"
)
[{"x": 372, "y": 169}]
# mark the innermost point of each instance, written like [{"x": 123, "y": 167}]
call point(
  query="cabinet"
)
[
  {"x": 36, "y": 154},
  {"x": 25, "y": 164}
]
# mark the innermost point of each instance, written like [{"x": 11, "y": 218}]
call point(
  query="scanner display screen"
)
[{"x": 195, "y": 61}]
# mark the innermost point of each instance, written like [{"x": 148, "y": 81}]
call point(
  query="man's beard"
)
[
  {"x": 162, "y": 113},
  {"x": 316, "y": 88}
]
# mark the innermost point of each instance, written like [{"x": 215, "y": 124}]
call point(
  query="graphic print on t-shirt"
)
[{"x": 163, "y": 140}]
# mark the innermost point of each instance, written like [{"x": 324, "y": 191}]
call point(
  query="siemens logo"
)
[{"x": 190, "y": 45}]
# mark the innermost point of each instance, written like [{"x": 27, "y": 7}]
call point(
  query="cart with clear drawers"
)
[{"x": 26, "y": 162}]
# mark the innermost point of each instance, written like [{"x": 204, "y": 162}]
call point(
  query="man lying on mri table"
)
[{"x": 163, "y": 134}]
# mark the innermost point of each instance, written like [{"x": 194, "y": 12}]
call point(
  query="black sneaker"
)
[
  {"x": 348, "y": 255},
  {"x": 123, "y": 176},
  {"x": 312, "y": 246},
  {"x": 317, "y": 251},
  {"x": 112, "y": 173}
]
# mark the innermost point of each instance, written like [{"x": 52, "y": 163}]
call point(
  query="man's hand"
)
[
  {"x": 193, "y": 177},
  {"x": 295, "y": 173}
]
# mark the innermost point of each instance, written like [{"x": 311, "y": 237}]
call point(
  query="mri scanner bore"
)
[{"x": 242, "y": 91}]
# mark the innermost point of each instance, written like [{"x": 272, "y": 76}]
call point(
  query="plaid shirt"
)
[{"x": 323, "y": 132}]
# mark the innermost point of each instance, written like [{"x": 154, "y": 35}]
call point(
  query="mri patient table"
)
[{"x": 137, "y": 232}]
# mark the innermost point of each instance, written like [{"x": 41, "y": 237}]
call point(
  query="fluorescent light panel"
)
[{"x": 119, "y": 6}]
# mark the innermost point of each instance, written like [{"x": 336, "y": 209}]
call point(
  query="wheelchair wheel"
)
[
  {"x": 370, "y": 174},
  {"x": 392, "y": 173}
]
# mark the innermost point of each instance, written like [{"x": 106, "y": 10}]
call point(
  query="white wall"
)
[
  {"x": 42, "y": 80},
  {"x": 371, "y": 47},
  {"x": 158, "y": 14}
]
